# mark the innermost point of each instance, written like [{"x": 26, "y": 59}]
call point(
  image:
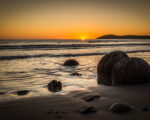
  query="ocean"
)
[{"x": 32, "y": 64}]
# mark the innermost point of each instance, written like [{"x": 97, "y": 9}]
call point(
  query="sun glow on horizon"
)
[
  {"x": 83, "y": 38},
  {"x": 62, "y": 20}
]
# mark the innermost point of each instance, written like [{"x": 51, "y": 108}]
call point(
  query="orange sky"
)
[{"x": 73, "y": 19}]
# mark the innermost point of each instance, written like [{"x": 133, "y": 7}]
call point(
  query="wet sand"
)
[{"x": 73, "y": 105}]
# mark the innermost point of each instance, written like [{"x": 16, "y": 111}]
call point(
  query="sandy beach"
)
[{"x": 74, "y": 104}]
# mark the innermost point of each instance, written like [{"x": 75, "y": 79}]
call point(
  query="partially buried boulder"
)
[
  {"x": 131, "y": 71},
  {"x": 120, "y": 108},
  {"x": 71, "y": 62},
  {"x": 54, "y": 86},
  {"x": 106, "y": 65}
]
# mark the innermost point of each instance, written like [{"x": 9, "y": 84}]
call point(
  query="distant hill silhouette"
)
[{"x": 124, "y": 37}]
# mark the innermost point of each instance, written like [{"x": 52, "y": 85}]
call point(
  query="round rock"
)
[
  {"x": 71, "y": 62},
  {"x": 131, "y": 71},
  {"x": 120, "y": 108},
  {"x": 54, "y": 86},
  {"x": 106, "y": 64}
]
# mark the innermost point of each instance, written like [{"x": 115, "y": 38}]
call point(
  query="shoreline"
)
[{"x": 69, "y": 106}]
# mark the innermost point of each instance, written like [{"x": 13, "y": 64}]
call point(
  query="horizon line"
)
[{"x": 71, "y": 38}]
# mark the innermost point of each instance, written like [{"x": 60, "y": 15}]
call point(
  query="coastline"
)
[{"x": 69, "y": 106}]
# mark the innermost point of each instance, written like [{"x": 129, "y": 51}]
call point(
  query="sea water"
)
[{"x": 32, "y": 64}]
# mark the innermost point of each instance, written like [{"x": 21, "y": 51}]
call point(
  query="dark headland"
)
[{"x": 124, "y": 37}]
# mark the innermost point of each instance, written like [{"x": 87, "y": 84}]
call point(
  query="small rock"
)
[
  {"x": 91, "y": 97},
  {"x": 55, "y": 86},
  {"x": 145, "y": 109},
  {"x": 22, "y": 92},
  {"x": 88, "y": 110},
  {"x": 2, "y": 93},
  {"x": 71, "y": 62},
  {"x": 120, "y": 108},
  {"x": 75, "y": 74}
]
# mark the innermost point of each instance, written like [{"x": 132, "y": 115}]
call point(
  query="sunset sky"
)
[{"x": 73, "y": 19}]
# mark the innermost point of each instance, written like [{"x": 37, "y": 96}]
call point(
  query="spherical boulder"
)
[
  {"x": 130, "y": 71},
  {"x": 106, "y": 64},
  {"x": 54, "y": 86},
  {"x": 71, "y": 62}
]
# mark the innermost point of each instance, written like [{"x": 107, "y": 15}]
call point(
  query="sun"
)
[{"x": 83, "y": 38}]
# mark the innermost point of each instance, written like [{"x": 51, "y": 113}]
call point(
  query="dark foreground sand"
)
[{"x": 70, "y": 106}]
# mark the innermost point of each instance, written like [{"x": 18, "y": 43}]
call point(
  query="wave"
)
[
  {"x": 62, "y": 55},
  {"x": 70, "y": 46}
]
